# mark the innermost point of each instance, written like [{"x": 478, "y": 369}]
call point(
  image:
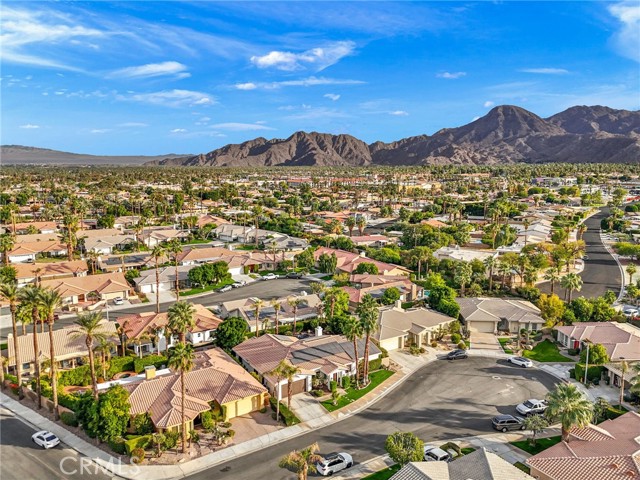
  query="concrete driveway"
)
[{"x": 484, "y": 341}]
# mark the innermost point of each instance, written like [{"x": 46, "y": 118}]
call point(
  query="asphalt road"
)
[
  {"x": 21, "y": 459},
  {"x": 266, "y": 290},
  {"x": 443, "y": 400},
  {"x": 601, "y": 272}
]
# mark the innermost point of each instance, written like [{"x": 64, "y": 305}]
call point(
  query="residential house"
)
[
  {"x": 347, "y": 262},
  {"x": 462, "y": 254},
  {"x": 157, "y": 236},
  {"x": 490, "y": 315},
  {"x": 31, "y": 272},
  {"x": 408, "y": 290},
  {"x": 232, "y": 233},
  {"x": 147, "y": 330},
  {"x": 28, "y": 252},
  {"x": 146, "y": 282},
  {"x": 609, "y": 450},
  {"x": 479, "y": 465},
  {"x": 70, "y": 348},
  {"x": 239, "y": 262},
  {"x": 373, "y": 241},
  {"x": 77, "y": 290},
  {"x": 324, "y": 357},
  {"x": 106, "y": 245},
  {"x": 45, "y": 227},
  {"x": 216, "y": 379},
  {"x": 398, "y": 328}
]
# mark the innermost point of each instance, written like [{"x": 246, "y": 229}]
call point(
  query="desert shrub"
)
[
  {"x": 135, "y": 442},
  {"x": 434, "y": 344},
  {"x": 137, "y": 455},
  {"x": 462, "y": 346},
  {"x": 317, "y": 393},
  {"x": 118, "y": 446},
  {"x": 455, "y": 338},
  {"x": 171, "y": 439},
  {"x": 69, "y": 418}
]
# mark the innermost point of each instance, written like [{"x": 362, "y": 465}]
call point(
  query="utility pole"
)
[{"x": 586, "y": 366}]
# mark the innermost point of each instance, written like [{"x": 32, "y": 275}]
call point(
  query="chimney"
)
[
  {"x": 399, "y": 304},
  {"x": 150, "y": 372},
  {"x": 363, "y": 254},
  {"x": 318, "y": 331}
]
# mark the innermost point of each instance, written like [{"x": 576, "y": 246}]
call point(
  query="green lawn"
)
[
  {"x": 383, "y": 474},
  {"x": 467, "y": 450},
  {"x": 208, "y": 288},
  {"x": 541, "y": 444},
  {"x": 546, "y": 351},
  {"x": 503, "y": 342},
  {"x": 352, "y": 394},
  {"x": 196, "y": 241}
]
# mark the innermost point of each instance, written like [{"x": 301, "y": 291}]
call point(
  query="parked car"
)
[
  {"x": 435, "y": 454},
  {"x": 294, "y": 275},
  {"x": 456, "y": 355},
  {"x": 118, "y": 301},
  {"x": 532, "y": 407},
  {"x": 239, "y": 284},
  {"x": 270, "y": 276},
  {"x": 521, "y": 362},
  {"x": 333, "y": 463},
  {"x": 45, "y": 439},
  {"x": 585, "y": 257},
  {"x": 504, "y": 423},
  {"x": 226, "y": 288}
]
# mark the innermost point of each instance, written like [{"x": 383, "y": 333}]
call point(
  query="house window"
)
[{"x": 26, "y": 366}]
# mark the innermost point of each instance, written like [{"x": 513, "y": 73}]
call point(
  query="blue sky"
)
[{"x": 141, "y": 77}]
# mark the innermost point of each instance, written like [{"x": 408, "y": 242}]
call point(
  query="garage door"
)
[
  {"x": 483, "y": 327},
  {"x": 298, "y": 386}
]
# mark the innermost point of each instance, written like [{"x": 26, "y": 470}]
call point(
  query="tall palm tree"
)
[
  {"x": 92, "y": 256},
  {"x": 567, "y": 405},
  {"x": 526, "y": 223},
  {"x": 582, "y": 228},
  {"x": 552, "y": 275},
  {"x": 277, "y": 306},
  {"x": 353, "y": 331},
  {"x": 181, "y": 319},
  {"x": 157, "y": 253},
  {"x": 368, "y": 314},
  {"x": 284, "y": 370},
  {"x": 301, "y": 462},
  {"x": 9, "y": 291},
  {"x": 257, "y": 306},
  {"x": 361, "y": 223},
  {"x": 181, "y": 359},
  {"x": 294, "y": 303},
  {"x": 6, "y": 245},
  {"x": 51, "y": 300},
  {"x": 89, "y": 327},
  {"x": 631, "y": 270},
  {"x": 571, "y": 282},
  {"x": 624, "y": 368},
  {"x": 490, "y": 263},
  {"x": 350, "y": 223},
  {"x": 31, "y": 296},
  {"x": 104, "y": 348},
  {"x": 175, "y": 248},
  {"x": 23, "y": 315}
]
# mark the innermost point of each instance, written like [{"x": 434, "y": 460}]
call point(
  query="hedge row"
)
[
  {"x": 136, "y": 441},
  {"x": 288, "y": 415},
  {"x": 79, "y": 376},
  {"x": 156, "y": 360},
  {"x": 594, "y": 373}
]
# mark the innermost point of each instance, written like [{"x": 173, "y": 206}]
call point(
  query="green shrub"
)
[
  {"x": 207, "y": 420},
  {"x": 120, "y": 364},
  {"x": 288, "y": 416},
  {"x": 375, "y": 364},
  {"x": 333, "y": 385},
  {"x": 155, "y": 360},
  {"x": 572, "y": 373},
  {"x": 317, "y": 393},
  {"x": 68, "y": 401},
  {"x": 134, "y": 442},
  {"x": 171, "y": 439},
  {"x": 118, "y": 446},
  {"x": 79, "y": 376},
  {"x": 462, "y": 346},
  {"x": 137, "y": 455},
  {"x": 573, "y": 351},
  {"x": 69, "y": 418},
  {"x": 142, "y": 424},
  {"x": 593, "y": 375},
  {"x": 11, "y": 378},
  {"x": 346, "y": 382},
  {"x": 455, "y": 338},
  {"x": 434, "y": 343}
]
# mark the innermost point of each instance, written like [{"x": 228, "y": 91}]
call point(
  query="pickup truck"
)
[{"x": 532, "y": 407}]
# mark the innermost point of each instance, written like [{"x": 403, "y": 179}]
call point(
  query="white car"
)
[
  {"x": 45, "y": 439},
  {"x": 239, "y": 284},
  {"x": 118, "y": 301},
  {"x": 521, "y": 362},
  {"x": 435, "y": 454},
  {"x": 270, "y": 276},
  {"x": 532, "y": 407},
  {"x": 333, "y": 463}
]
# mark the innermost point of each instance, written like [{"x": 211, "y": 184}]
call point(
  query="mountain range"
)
[{"x": 506, "y": 134}]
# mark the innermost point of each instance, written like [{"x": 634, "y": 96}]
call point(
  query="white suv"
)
[
  {"x": 435, "y": 454},
  {"x": 333, "y": 463}
]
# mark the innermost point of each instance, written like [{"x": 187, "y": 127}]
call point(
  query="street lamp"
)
[
  {"x": 623, "y": 367},
  {"x": 586, "y": 363}
]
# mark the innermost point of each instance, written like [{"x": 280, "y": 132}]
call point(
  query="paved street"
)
[
  {"x": 21, "y": 459},
  {"x": 601, "y": 271},
  {"x": 266, "y": 290},
  {"x": 441, "y": 401}
]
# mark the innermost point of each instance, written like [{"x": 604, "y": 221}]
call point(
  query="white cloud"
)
[
  {"x": 132, "y": 124},
  {"x": 100, "y": 130},
  {"x": 152, "y": 70},
  {"x": 29, "y": 126},
  {"x": 545, "y": 71},
  {"x": 399, "y": 113},
  {"x": 332, "y": 96},
  {"x": 308, "y": 113},
  {"x": 627, "y": 39},
  {"x": 302, "y": 82},
  {"x": 317, "y": 58},
  {"x": 171, "y": 98},
  {"x": 488, "y": 104},
  {"x": 178, "y": 130},
  {"x": 246, "y": 86},
  {"x": 240, "y": 127},
  {"x": 451, "y": 75}
]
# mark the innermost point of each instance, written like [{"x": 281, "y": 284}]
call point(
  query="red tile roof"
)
[{"x": 138, "y": 323}]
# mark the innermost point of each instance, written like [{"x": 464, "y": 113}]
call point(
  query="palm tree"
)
[
  {"x": 294, "y": 303},
  {"x": 51, "y": 300},
  {"x": 624, "y": 368},
  {"x": 276, "y": 307},
  {"x": 350, "y": 223},
  {"x": 257, "y": 306},
  {"x": 631, "y": 270},
  {"x": 175, "y": 248},
  {"x": 353, "y": 331},
  {"x": 582, "y": 228},
  {"x": 567, "y": 405},
  {"x": 284, "y": 370},
  {"x": 181, "y": 319},
  {"x": 6, "y": 245},
  {"x": 490, "y": 263},
  {"x": 9, "y": 291},
  {"x": 23, "y": 315},
  {"x": 301, "y": 462},
  {"x": 31, "y": 296},
  {"x": 104, "y": 348},
  {"x": 157, "y": 253},
  {"x": 93, "y": 256},
  {"x": 463, "y": 273},
  {"x": 181, "y": 359},
  {"x": 90, "y": 328},
  {"x": 368, "y": 314},
  {"x": 552, "y": 275},
  {"x": 361, "y": 223},
  {"x": 571, "y": 282},
  {"x": 526, "y": 223}
]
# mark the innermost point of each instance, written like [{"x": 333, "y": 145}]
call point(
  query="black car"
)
[
  {"x": 504, "y": 423},
  {"x": 456, "y": 355},
  {"x": 294, "y": 275}
]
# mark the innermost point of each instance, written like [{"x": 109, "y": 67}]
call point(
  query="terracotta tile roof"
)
[
  {"x": 102, "y": 283},
  {"x": 348, "y": 261},
  {"x": 43, "y": 270},
  {"x": 609, "y": 451},
  {"x": 135, "y": 324},
  {"x": 46, "y": 246},
  {"x": 620, "y": 340},
  {"x": 215, "y": 377},
  {"x": 66, "y": 344},
  {"x": 39, "y": 225}
]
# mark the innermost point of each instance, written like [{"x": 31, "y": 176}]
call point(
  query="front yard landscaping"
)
[
  {"x": 541, "y": 444},
  {"x": 352, "y": 394},
  {"x": 384, "y": 474},
  {"x": 546, "y": 351},
  {"x": 503, "y": 343},
  {"x": 208, "y": 288}
]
